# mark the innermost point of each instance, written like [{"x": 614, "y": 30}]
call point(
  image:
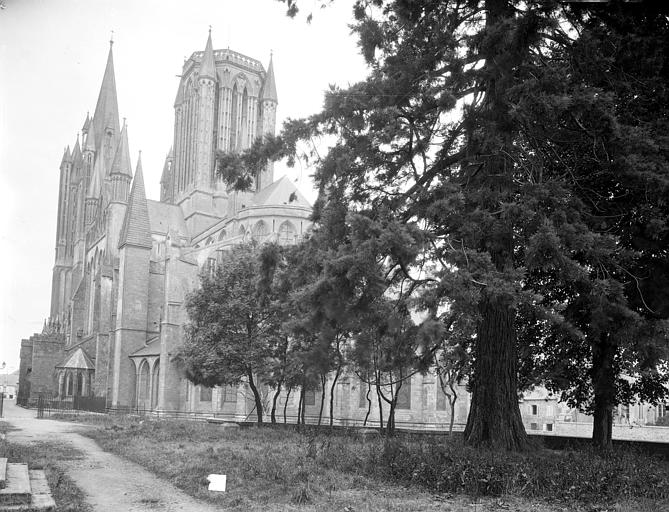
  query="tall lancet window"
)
[
  {"x": 245, "y": 120},
  {"x": 233, "y": 120}
]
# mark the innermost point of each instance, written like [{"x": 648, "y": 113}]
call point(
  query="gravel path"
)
[{"x": 111, "y": 484}]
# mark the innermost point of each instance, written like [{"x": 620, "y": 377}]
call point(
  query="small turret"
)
[
  {"x": 121, "y": 169},
  {"x": 208, "y": 65},
  {"x": 269, "y": 88}
]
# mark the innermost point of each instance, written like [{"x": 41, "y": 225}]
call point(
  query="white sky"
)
[{"x": 52, "y": 58}]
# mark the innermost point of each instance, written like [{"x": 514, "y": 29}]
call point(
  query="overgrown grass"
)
[
  {"x": 48, "y": 456},
  {"x": 277, "y": 467}
]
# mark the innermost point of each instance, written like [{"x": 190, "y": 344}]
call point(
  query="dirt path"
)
[{"x": 110, "y": 483}]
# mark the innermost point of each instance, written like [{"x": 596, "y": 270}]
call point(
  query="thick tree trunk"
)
[
  {"x": 256, "y": 396},
  {"x": 276, "y": 396},
  {"x": 603, "y": 383},
  {"x": 494, "y": 416}
]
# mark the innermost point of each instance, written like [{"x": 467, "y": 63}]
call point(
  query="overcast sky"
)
[{"x": 52, "y": 58}]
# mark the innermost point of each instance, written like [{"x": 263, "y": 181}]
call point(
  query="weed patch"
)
[{"x": 277, "y": 468}]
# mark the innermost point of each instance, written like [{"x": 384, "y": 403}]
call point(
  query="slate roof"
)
[
  {"x": 136, "y": 228},
  {"x": 78, "y": 360},
  {"x": 163, "y": 216},
  {"x": 280, "y": 192},
  {"x": 152, "y": 348}
]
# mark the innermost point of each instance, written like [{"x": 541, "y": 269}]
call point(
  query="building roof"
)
[
  {"x": 269, "y": 89},
  {"x": 136, "y": 227},
  {"x": 208, "y": 64},
  {"x": 164, "y": 216},
  {"x": 121, "y": 164},
  {"x": 152, "y": 348},
  {"x": 78, "y": 360},
  {"x": 282, "y": 191}
]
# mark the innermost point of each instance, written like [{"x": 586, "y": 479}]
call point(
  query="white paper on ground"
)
[{"x": 216, "y": 482}]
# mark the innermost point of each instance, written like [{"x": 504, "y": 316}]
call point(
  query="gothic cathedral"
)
[{"x": 124, "y": 263}]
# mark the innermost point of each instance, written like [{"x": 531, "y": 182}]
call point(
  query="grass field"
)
[
  {"x": 282, "y": 469},
  {"x": 49, "y": 457}
]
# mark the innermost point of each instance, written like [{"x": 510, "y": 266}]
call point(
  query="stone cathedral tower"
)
[{"x": 225, "y": 101}]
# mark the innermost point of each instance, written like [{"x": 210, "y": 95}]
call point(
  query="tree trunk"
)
[
  {"x": 603, "y": 383},
  {"x": 285, "y": 405},
  {"x": 300, "y": 405},
  {"x": 378, "y": 396},
  {"x": 276, "y": 396},
  {"x": 494, "y": 416},
  {"x": 332, "y": 388},
  {"x": 256, "y": 396},
  {"x": 369, "y": 403},
  {"x": 320, "y": 411}
]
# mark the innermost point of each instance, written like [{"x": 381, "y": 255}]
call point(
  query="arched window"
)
[
  {"x": 259, "y": 231},
  {"x": 80, "y": 383},
  {"x": 287, "y": 233},
  {"x": 241, "y": 232},
  {"x": 222, "y": 235},
  {"x": 155, "y": 384},
  {"x": 69, "y": 383},
  {"x": 209, "y": 241},
  {"x": 245, "y": 120},
  {"x": 144, "y": 383},
  {"x": 233, "y": 119}
]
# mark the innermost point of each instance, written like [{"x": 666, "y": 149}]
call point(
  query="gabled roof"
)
[
  {"x": 280, "y": 192},
  {"x": 269, "y": 89},
  {"x": 136, "y": 227},
  {"x": 164, "y": 216},
  {"x": 121, "y": 164},
  {"x": 78, "y": 360},
  {"x": 208, "y": 64}
]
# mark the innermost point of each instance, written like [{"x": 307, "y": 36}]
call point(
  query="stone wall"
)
[{"x": 47, "y": 351}]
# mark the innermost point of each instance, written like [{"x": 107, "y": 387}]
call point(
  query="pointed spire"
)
[
  {"x": 180, "y": 95},
  {"x": 95, "y": 185},
  {"x": 208, "y": 65},
  {"x": 90, "y": 141},
  {"x": 136, "y": 229},
  {"x": 106, "y": 109},
  {"x": 138, "y": 167},
  {"x": 269, "y": 89},
  {"x": 165, "y": 178},
  {"x": 76, "y": 153},
  {"x": 87, "y": 123},
  {"x": 122, "y": 163},
  {"x": 66, "y": 156}
]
